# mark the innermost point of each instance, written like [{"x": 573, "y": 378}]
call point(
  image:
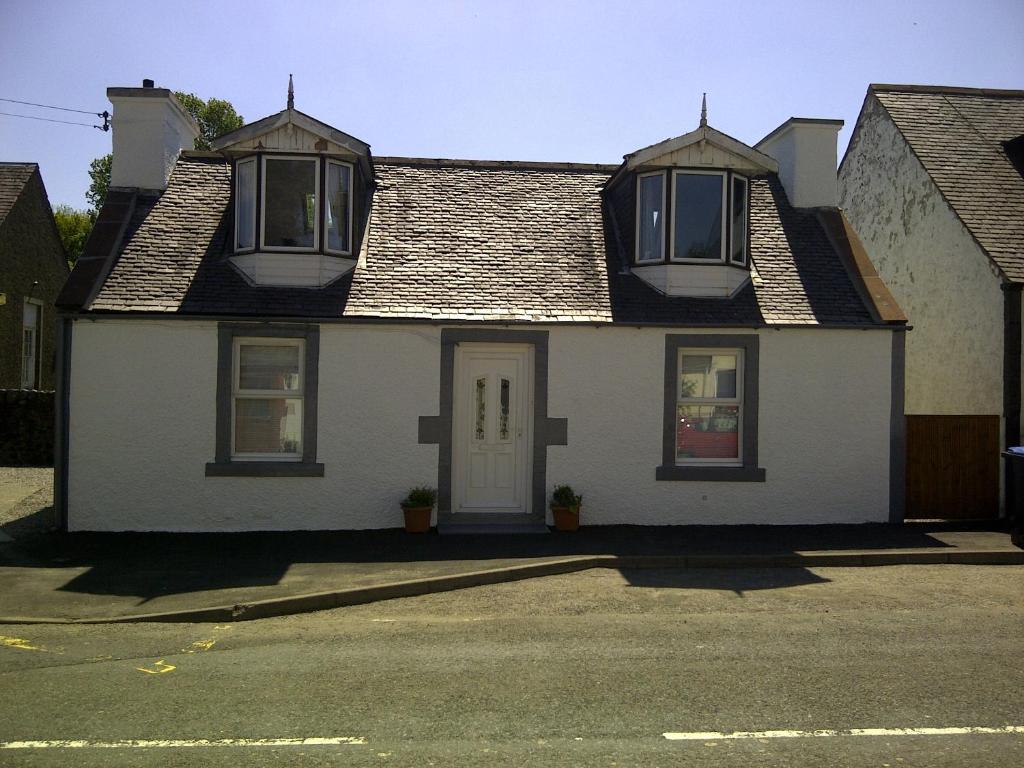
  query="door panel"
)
[{"x": 491, "y": 428}]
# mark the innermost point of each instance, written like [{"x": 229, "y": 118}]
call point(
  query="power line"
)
[
  {"x": 48, "y": 106},
  {"x": 51, "y": 120}
]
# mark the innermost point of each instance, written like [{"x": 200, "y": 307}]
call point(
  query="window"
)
[
  {"x": 245, "y": 205},
  {"x": 650, "y": 227},
  {"x": 709, "y": 217},
  {"x": 708, "y": 414},
  {"x": 267, "y": 398},
  {"x": 30, "y": 338},
  {"x": 267, "y": 401},
  {"x": 710, "y": 409},
  {"x": 698, "y": 220},
  {"x": 290, "y": 203},
  {"x": 293, "y": 203},
  {"x": 339, "y": 207}
]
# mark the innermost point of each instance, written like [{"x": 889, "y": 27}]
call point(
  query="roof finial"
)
[
  {"x": 704, "y": 111},
  {"x": 291, "y": 93}
]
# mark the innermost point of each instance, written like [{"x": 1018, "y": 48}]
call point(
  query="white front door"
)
[{"x": 491, "y": 428}]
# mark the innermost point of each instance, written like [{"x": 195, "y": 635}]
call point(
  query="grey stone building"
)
[{"x": 33, "y": 267}]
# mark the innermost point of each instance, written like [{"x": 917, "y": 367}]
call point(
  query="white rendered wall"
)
[
  {"x": 823, "y": 437},
  {"x": 806, "y": 153},
  {"x": 945, "y": 284},
  {"x": 149, "y": 133},
  {"x": 143, "y": 420}
]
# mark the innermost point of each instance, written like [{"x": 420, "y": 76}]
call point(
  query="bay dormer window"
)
[
  {"x": 293, "y": 204},
  {"x": 708, "y": 217}
]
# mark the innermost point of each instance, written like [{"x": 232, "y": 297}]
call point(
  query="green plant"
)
[
  {"x": 420, "y": 496},
  {"x": 564, "y": 496}
]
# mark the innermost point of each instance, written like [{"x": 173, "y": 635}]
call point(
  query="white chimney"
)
[
  {"x": 150, "y": 129},
  {"x": 805, "y": 149}
]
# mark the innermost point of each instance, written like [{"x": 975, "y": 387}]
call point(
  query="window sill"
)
[
  {"x": 712, "y": 474},
  {"x": 264, "y": 469}
]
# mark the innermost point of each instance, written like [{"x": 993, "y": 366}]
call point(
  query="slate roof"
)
[
  {"x": 13, "y": 177},
  {"x": 958, "y": 134},
  {"x": 469, "y": 241}
]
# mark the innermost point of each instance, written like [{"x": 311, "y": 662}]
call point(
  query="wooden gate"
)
[{"x": 952, "y": 467}]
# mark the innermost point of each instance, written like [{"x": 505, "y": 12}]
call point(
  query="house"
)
[
  {"x": 288, "y": 332},
  {"x": 932, "y": 183},
  {"x": 33, "y": 268}
]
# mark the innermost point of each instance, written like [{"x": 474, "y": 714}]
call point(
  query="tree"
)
[
  {"x": 74, "y": 227},
  {"x": 215, "y": 118},
  {"x": 99, "y": 173}
]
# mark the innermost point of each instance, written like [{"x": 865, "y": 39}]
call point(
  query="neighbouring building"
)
[
  {"x": 932, "y": 183},
  {"x": 288, "y": 333},
  {"x": 33, "y": 268}
]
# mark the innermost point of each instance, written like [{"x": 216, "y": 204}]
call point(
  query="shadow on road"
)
[
  {"x": 735, "y": 580},
  {"x": 151, "y": 565}
]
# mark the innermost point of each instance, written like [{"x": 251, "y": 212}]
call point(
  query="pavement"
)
[{"x": 50, "y": 577}]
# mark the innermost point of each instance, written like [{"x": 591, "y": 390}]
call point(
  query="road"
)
[{"x": 586, "y": 669}]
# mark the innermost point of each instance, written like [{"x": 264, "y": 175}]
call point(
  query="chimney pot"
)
[{"x": 147, "y": 83}]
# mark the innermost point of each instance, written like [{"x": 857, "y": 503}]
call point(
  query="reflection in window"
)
[
  {"x": 652, "y": 219},
  {"x": 708, "y": 407},
  {"x": 503, "y": 419},
  {"x": 481, "y": 407},
  {"x": 338, "y": 185},
  {"x": 273, "y": 366},
  {"x": 290, "y": 203},
  {"x": 245, "y": 205},
  {"x": 267, "y": 398},
  {"x": 707, "y": 432}
]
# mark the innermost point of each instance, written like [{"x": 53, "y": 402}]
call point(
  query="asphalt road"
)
[{"x": 579, "y": 670}]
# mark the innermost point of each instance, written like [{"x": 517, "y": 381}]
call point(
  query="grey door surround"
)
[{"x": 437, "y": 430}]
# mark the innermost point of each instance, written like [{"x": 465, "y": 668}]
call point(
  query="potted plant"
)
[
  {"x": 565, "y": 507},
  {"x": 416, "y": 507}
]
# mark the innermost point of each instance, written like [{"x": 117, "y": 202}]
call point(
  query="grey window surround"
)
[
  {"x": 307, "y": 466},
  {"x": 546, "y": 431},
  {"x": 749, "y": 472}
]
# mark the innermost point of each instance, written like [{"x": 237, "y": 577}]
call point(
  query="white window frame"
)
[
  {"x": 327, "y": 239},
  {"x": 238, "y": 207},
  {"x": 237, "y": 393},
  {"x": 316, "y": 204},
  {"x": 37, "y": 345},
  {"x": 636, "y": 218},
  {"x": 746, "y": 218},
  {"x": 722, "y": 256},
  {"x": 736, "y": 401}
]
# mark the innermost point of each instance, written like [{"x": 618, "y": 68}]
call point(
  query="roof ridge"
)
[
  {"x": 523, "y": 164},
  {"x": 954, "y": 90}
]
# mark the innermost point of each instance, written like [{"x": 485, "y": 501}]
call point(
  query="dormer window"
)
[
  {"x": 650, "y": 230},
  {"x": 709, "y": 217},
  {"x": 304, "y": 204}
]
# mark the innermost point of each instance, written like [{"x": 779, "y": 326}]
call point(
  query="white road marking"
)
[
  {"x": 177, "y": 743},
  {"x": 717, "y": 735}
]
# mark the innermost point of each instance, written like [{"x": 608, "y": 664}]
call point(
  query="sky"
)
[{"x": 490, "y": 79}]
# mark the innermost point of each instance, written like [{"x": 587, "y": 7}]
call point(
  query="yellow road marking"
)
[
  {"x": 17, "y": 642},
  {"x": 199, "y": 645},
  {"x": 161, "y": 667}
]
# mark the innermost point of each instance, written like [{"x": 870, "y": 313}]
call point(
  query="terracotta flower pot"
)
[
  {"x": 566, "y": 518},
  {"x": 417, "y": 519}
]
